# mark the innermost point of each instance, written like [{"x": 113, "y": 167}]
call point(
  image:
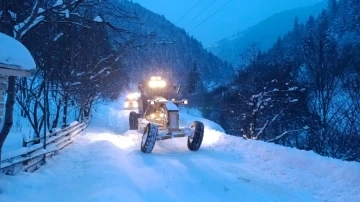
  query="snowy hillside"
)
[
  {"x": 105, "y": 164},
  {"x": 265, "y": 33}
]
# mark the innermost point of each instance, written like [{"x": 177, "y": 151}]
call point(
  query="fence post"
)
[{"x": 3, "y": 80}]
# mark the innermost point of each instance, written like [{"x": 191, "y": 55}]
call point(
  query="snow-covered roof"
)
[{"x": 14, "y": 55}]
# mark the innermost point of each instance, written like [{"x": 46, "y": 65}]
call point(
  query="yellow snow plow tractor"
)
[{"x": 158, "y": 116}]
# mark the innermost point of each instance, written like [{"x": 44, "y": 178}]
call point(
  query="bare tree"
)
[
  {"x": 266, "y": 108},
  {"x": 325, "y": 64},
  {"x": 30, "y": 102}
]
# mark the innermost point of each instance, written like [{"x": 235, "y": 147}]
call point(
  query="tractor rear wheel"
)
[
  {"x": 195, "y": 141},
  {"x": 133, "y": 120},
  {"x": 149, "y": 138}
]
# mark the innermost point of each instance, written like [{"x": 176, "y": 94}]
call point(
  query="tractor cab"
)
[{"x": 155, "y": 89}]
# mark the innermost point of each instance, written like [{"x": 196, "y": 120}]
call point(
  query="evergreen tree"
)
[
  {"x": 193, "y": 80},
  {"x": 332, "y": 7}
]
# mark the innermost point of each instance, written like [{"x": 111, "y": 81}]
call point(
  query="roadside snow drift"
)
[{"x": 105, "y": 164}]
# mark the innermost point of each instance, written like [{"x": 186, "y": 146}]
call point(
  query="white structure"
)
[{"x": 15, "y": 58}]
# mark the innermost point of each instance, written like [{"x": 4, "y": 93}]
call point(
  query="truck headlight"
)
[{"x": 132, "y": 96}]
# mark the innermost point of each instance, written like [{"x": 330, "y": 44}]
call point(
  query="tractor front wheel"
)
[
  {"x": 194, "y": 142},
  {"x": 149, "y": 138}
]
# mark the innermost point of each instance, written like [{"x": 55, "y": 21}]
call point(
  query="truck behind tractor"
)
[
  {"x": 158, "y": 116},
  {"x": 131, "y": 101}
]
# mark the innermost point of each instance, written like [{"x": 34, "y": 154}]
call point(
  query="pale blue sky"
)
[{"x": 236, "y": 16}]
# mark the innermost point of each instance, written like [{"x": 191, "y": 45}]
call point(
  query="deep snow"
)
[{"x": 105, "y": 164}]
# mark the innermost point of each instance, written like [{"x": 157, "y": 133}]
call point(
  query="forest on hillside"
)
[{"x": 304, "y": 92}]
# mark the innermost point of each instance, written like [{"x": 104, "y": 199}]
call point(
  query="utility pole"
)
[{"x": 45, "y": 109}]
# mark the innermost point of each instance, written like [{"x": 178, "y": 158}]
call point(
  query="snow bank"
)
[
  {"x": 14, "y": 54},
  {"x": 186, "y": 120},
  {"x": 330, "y": 179}
]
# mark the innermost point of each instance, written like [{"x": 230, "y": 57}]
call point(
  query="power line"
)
[
  {"x": 188, "y": 11},
  {"x": 201, "y": 12},
  {"x": 211, "y": 15}
]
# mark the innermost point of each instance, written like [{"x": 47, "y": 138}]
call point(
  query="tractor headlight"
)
[
  {"x": 126, "y": 105},
  {"x": 136, "y": 105},
  {"x": 185, "y": 102},
  {"x": 152, "y": 84}
]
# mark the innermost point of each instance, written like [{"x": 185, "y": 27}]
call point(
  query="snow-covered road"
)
[{"x": 105, "y": 164}]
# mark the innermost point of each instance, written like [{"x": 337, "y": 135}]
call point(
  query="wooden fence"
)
[{"x": 30, "y": 158}]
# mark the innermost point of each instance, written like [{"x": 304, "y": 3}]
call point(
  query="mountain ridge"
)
[{"x": 231, "y": 47}]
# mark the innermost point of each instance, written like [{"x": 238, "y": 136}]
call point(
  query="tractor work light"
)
[
  {"x": 155, "y": 78},
  {"x": 156, "y": 82},
  {"x": 185, "y": 102}
]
